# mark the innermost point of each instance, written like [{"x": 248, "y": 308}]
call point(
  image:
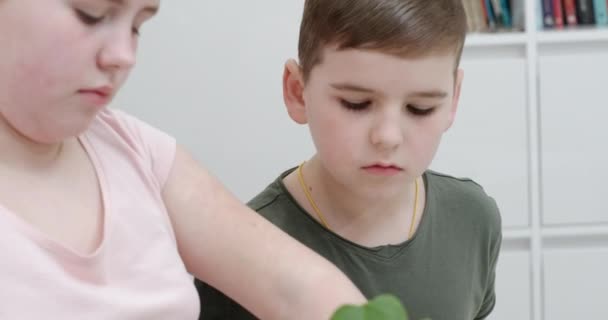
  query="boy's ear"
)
[
  {"x": 293, "y": 91},
  {"x": 455, "y": 97}
]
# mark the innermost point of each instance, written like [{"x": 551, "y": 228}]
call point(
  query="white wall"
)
[{"x": 209, "y": 73}]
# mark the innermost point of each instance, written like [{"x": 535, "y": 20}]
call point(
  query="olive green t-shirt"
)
[{"x": 445, "y": 271}]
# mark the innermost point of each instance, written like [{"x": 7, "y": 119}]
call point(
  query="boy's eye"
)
[
  {"x": 355, "y": 106},
  {"x": 87, "y": 18},
  {"x": 417, "y": 111}
]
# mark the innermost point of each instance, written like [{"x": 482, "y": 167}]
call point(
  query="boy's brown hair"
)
[{"x": 406, "y": 28}]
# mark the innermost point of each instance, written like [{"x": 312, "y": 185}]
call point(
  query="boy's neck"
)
[{"x": 363, "y": 220}]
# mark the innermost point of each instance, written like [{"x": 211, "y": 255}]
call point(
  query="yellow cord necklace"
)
[{"x": 320, "y": 215}]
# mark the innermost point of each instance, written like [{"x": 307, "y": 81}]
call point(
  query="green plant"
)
[{"x": 383, "y": 307}]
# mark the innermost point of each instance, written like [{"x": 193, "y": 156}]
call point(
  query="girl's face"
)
[{"x": 63, "y": 60}]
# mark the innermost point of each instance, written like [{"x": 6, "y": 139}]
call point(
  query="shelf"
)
[
  {"x": 516, "y": 234},
  {"x": 590, "y": 34},
  {"x": 557, "y": 232},
  {"x": 574, "y": 231},
  {"x": 558, "y": 36},
  {"x": 495, "y": 39}
]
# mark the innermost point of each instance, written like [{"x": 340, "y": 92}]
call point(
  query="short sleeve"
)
[
  {"x": 154, "y": 146},
  {"x": 489, "y": 300}
]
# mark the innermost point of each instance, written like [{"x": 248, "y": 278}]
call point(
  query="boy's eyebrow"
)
[
  {"x": 351, "y": 87},
  {"x": 152, "y": 10},
  {"x": 418, "y": 94}
]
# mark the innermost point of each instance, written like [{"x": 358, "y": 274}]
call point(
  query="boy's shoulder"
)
[
  {"x": 275, "y": 195},
  {"x": 451, "y": 186},
  {"x": 278, "y": 206},
  {"x": 463, "y": 196},
  {"x": 458, "y": 184},
  {"x": 267, "y": 197}
]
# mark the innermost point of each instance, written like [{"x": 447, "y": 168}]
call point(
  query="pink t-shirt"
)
[{"x": 137, "y": 272}]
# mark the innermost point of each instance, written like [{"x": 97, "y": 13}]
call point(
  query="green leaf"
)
[
  {"x": 349, "y": 312},
  {"x": 384, "y": 307}
]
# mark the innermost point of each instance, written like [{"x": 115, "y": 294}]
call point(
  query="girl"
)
[{"x": 103, "y": 216}]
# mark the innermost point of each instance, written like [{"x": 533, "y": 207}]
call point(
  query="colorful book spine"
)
[
  {"x": 539, "y": 16},
  {"x": 570, "y": 11},
  {"x": 548, "y": 18},
  {"x": 507, "y": 20},
  {"x": 599, "y": 8},
  {"x": 469, "y": 13},
  {"x": 584, "y": 10},
  {"x": 518, "y": 14},
  {"x": 491, "y": 19},
  {"x": 558, "y": 14},
  {"x": 497, "y": 10},
  {"x": 479, "y": 17}
]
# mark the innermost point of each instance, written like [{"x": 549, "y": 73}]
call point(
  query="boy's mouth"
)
[{"x": 383, "y": 169}]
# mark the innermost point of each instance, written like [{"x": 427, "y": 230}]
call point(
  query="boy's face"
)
[{"x": 375, "y": 119}]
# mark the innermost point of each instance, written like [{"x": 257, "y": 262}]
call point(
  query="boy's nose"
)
[{"x": 387, "y": 133}]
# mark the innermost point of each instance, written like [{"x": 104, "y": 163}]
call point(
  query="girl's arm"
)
[{"x": 229, "y": 246}]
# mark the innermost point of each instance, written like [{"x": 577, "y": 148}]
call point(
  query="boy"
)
[{"x": 378, "y": 84}]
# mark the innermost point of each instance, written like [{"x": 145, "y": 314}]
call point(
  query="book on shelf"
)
[
  {"x": 548, "y": 17},
  {"x": 494, "y": 15},
  {"x": 557, "y": 14},
  {"x": 570, "y": 12},
  {"x": 509, "y": 15},
  {"x": 585, "y": 12},
  {"x": 600, "y": 8}
]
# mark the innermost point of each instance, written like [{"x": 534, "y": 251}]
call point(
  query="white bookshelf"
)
[
  {"x": 573, "y": 36},
  {"x": 513, "y": 234},
  {"x": 558, "y": 36},
  {"x": 555, "y": 244},
  {"x": 575, "y": 231},
  {"x": 496, "y": 40}
]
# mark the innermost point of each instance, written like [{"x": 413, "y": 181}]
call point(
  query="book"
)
[
  {"x": 558, "y": 14},
  {"x": 548, "y": 18},
  {"x": 506, "y": 14},
  {"x": 518, "y": 14},
  {"x": 479, "y": 16},
  {"x": 584, "y": 12},
  {"x": 570, "y": 12},
  {"x": 466, "y": 4},
  {"x": 489, "y": 14},
  {"x": 599, "y": 8}
]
